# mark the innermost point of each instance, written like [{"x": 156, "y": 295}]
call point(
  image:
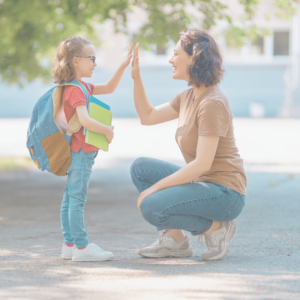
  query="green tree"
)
[{"x": 32, "y": 29}]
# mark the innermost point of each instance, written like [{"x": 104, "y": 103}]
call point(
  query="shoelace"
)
[
  {"x": 200, "y": 238},
  {"x": 210, "y": 240},
  {"x": 163, "y": 237}
]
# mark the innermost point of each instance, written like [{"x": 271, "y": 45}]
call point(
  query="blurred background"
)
[{"x": 260, "y": 44}]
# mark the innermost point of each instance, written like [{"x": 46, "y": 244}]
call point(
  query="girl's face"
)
[
  {"x": 85, "y": 66},
  {"x": 180, "y": 62}
]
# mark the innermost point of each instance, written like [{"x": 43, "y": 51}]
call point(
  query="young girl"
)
[{"x": 75, "y": 59}]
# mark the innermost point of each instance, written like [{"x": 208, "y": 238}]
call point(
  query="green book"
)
[{"x": 103, "y": 116}]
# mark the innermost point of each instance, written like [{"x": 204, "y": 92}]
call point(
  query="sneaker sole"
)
[
  {"x": 229, "y": 236},
  {"x": 64, "y": 256},
  {"x": 92, "y": 258},
  {"x": 182, "y": 253}
]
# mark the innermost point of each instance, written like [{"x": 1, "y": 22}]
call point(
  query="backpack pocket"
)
[
  {"x": 34, "y": 151},
  {"x": 58, "y": 152}
]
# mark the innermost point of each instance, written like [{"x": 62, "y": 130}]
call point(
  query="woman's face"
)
[{"x": 180, "y": 62}]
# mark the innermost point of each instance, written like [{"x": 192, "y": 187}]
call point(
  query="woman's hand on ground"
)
[
  {"x": 146, "y": 193},
  {"x": 135, "y": 66},
  {"x": 110, "y": 133},
  {"x": 128, "y": 57}
]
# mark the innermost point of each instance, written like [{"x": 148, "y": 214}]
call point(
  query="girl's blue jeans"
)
[
  {"x": 191, "y": 207},
  {"x": 74, "y": 199}
]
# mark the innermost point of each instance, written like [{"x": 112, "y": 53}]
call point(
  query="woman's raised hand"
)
[{"x": 135, "y": 67}]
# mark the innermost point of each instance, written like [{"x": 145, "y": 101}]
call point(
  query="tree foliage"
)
[{"x": 32, "y": 29}]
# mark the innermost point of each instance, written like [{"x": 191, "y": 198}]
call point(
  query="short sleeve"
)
[
  {"x": 213, "y": 119},
  {"x": 175, "y": 103},
  {"x": 74, "y": 95}
]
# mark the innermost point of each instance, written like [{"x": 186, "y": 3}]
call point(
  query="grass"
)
[{"x": 15, "y": 163}]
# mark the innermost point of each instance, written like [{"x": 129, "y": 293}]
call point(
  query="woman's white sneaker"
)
[
  {"x": 66, "y": 252},
  {"x": 92, "y": 252},
  {"x": 217, "y": 241},
  {"x": 166, "y": 246}
]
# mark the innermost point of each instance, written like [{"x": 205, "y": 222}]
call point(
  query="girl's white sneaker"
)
[
  {"x": 92, "y": 252},
  {"x": 66, "y": 252}
]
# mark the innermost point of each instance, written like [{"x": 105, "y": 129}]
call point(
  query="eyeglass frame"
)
[{"x": 91, "y": 56}]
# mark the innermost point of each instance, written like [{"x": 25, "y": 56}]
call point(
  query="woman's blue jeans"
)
[
  {"x": 191, "y": 207},
  {"x": 74, "y": 199}
]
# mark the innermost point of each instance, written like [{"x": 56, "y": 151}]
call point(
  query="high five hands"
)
[
  {"x": 135, "y": 68},
  {"x": 128, "y": 57}
]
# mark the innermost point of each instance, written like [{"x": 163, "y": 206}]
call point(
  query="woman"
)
[{"x": 206, "y": 195}]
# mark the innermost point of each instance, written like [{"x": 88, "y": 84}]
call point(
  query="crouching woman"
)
[{"x": 208, "y": 193}]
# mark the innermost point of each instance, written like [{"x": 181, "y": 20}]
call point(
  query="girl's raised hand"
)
[
  {"x": 128, "y": 57},
  {"x": 135, "y": 66}
]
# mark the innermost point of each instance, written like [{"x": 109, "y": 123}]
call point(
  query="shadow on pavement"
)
[{"x": 263, "y": 261}]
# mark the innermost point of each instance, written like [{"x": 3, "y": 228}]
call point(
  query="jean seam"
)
[
  {"x": 81, "y": 194},
  {"x": 150, "y": 173},
  {"x": 138, "y": 176},
  {"x": 231, "y": 208},
  {"x": 205, "y": 228},
  {"x": 182, "y": 203}
]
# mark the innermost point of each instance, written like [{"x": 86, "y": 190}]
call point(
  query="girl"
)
[
  {"x": 75, "y": 58},
  {"x": 206, "y": 195}
]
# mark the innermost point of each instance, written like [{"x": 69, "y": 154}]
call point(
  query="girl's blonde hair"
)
[{"x": 64, "y": 68}]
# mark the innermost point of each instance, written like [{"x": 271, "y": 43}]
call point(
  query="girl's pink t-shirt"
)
[{"x": 74, "y": 97}]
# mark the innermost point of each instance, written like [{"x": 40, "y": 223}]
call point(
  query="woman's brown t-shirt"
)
[{"x": 210, "y": 114}]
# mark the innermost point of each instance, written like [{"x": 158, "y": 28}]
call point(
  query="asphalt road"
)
[{"x": 263, "y": 261}]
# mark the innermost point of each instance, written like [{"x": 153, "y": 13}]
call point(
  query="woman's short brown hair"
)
[{"x": 207, "y": 67}]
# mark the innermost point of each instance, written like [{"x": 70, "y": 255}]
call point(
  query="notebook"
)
[
  {"x": 100, "y": 112},
  {"x": 98, "y": 102}
]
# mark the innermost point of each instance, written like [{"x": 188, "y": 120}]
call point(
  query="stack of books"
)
[{"x": 100, "y": 112}]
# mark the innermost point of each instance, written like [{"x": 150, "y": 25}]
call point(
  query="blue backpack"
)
[{"x": 49, "y": 134}]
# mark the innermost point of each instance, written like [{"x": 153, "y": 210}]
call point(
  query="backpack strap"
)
[
  {"x": 74, "y": 124},
  {"x": 81, "y": 86}
]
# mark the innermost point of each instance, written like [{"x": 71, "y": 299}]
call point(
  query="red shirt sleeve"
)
[{"x": 74, "y": 96}]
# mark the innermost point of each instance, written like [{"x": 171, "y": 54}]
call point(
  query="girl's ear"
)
[{"x": 75, "y": 61}]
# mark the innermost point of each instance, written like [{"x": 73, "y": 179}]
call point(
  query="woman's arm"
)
[
  {"x": 148, "y": 114},
  {"x": 91, "y": 124},
  {"x": 114, "y": 81},
  {"x": 206, "y": 150}
]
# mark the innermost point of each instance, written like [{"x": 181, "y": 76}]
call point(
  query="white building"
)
[{"x": 273, "y": 61}]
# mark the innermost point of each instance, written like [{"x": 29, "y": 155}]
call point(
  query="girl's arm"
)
[
  {"x": 206, "y": 150},
  {"x": 148, "y": 114},
  {"x": 114, "y": 81},
  {"x": 91, "y": 124}
]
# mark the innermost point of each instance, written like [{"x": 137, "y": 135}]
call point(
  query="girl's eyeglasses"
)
[{"x": 92, "y": 57}]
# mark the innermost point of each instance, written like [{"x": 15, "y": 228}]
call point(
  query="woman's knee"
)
[
  {"x": 148, "y": 211},
  {"x": 137, "y": 165}
]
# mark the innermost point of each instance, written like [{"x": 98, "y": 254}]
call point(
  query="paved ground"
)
[{"x": 263, "y": 262}]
